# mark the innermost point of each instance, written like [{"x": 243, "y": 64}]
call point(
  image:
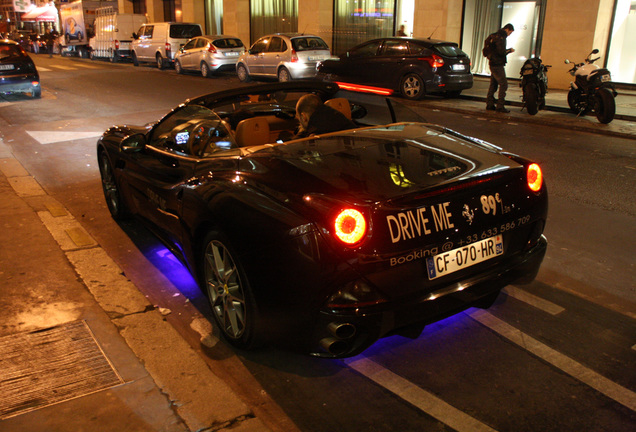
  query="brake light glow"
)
[
  {"x": 350, "y": 226},
  {"x": 365, "y": 89},
  {"x": 535, "y": 177},
  {"x": 294, "y": 56},
  {"x": 434, "y": 60}
]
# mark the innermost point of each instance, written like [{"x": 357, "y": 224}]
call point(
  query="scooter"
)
[
  {"x": 592, "y": 90},
  {"x": 534, "y": 83}
]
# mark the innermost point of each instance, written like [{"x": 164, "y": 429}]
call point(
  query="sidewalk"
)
[
  {"x": 81, "y": 349},
  {"x": 556, "y": 114}
]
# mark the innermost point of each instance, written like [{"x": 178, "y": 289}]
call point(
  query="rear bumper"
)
[
  {"x": 19, "y": 83},
  {"x": 363, "y": 328},
  {"x": 450, "y": 82}
]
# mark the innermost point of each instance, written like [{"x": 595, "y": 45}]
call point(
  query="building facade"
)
[{"x": 552, "y": 29}]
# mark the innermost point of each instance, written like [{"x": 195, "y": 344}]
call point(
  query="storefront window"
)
[
  {"x": 214, "y": 17},
  {"x": 273, "y": 16},
  {"x": 621, "y": 60},
  {"x": 356, "y": 21},
  {"x": 483, "y": 17}
]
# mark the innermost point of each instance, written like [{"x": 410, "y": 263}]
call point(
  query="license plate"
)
[
  {"x": 606, "y": 78},
  {"x": 459, "y": 67},
  {"x": 318, "y": 58},
  {"x": 232, "y": 54},
  {"x": 7, "y": 67},
  {"x": 463, "y": 257}
]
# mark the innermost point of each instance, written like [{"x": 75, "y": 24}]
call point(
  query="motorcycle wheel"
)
[
  {"x": 531, "y": 98},
  {"x": 604, "y": 105},
  {"x": 576, "y": 103}
]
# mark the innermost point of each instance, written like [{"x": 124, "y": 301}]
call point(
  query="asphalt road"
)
[{"x": 557, "y": 354}]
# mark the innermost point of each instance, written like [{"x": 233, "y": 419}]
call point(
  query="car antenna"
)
[{"x": 433, "y": 32}]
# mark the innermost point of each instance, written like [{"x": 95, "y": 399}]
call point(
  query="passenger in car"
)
[{"x": 317, "y": 118}]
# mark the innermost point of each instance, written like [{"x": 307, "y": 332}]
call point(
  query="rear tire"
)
[
  {"x": 283, "y": 75},
  {"x": 205, "y": 70},
  {"x": 412, "y": 87},
  {"x": 242, "y": 73},
  {"x": 161, "y": 64},
  {"x": 531, "y": 97},
  {"x": 604, "y": 105},
  {"x": 134, "y": 59},
  {"x": 177, "y": 67}
]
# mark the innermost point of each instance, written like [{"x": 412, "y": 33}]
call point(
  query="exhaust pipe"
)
[
  {"x": 334, "y": 346},
  {"x": 342, "y": 331}
]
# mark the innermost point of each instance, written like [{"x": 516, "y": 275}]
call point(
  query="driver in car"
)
[{"x": 317, "y": 118}]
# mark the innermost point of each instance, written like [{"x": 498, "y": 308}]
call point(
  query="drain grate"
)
[{"x": 47, "y": 366}]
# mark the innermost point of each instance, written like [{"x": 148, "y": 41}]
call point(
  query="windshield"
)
[{"x": 192, "y": 130}]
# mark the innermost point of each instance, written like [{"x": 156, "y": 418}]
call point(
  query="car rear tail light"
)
[
  {"x": 350, "y": 226},
  {"x": 116, "y": 44},
  {"x": 212, "y": 49},
  {"x": 434, "y": 60},
  {"x": 534, "y": 177},
  {"x": 294, "y": 56},
  {"x": 168, "y": 47}
]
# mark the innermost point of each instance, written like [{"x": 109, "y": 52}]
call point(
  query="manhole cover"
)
[{"x": 47, "y": 366}]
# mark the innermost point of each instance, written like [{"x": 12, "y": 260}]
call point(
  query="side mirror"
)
[
  {"x": 133, "y": 143},
  {"x": 135, "y": 36},
  {"x": 595, "y": 51},
  {"x": 566, "y": 61}
]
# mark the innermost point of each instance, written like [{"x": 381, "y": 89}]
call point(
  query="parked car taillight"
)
[
  {"x": 212, "y": 49},
  {"x": 294, "y": 56},
  {"x": 168, "y": 47},
  {"x": 434, "y": 60},
  {"x": 116, "y": 44}
]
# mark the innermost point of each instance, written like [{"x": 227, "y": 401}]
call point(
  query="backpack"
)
[{"x": 489, "y": 45}]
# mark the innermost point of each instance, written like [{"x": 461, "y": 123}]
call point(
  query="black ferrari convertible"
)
[{"x": 327, "y": 243}]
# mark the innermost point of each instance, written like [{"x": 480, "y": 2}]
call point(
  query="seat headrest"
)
[
  {"x": 252, "y": 132},
  {"x": 340, "y": 104}
]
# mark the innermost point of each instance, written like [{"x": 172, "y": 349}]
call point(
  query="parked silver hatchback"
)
[
  {"x": 209, "y": 54},
  {"x": 283, "y": 56}
]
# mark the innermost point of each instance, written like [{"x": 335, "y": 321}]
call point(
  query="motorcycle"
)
[
  {"x": 592, "y": 90},
  {"x": 534, "y": 83}
]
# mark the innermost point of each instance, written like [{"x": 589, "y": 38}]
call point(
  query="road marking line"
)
[
  {"x": 87, "y": 66},
  {"x": 573, "y": 368},
  {"x": 50, "y": 137},
  {"x": 62, "y": 67},
  {"x": 43, "y": 69},
  {"x": 532, "y": 300},
  {"x": 418, "y": 397}
]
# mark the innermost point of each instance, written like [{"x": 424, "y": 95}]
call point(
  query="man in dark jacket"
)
[
  {"x": 497, "y": 61},
  {"x": 317, "y": 118}
]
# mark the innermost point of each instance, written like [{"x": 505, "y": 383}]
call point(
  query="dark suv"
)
[{"x": 413, "y": 67}]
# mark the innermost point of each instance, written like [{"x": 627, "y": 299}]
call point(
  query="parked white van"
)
[
  {"x": 114, "y": 34},
  {"x": 160, "y": 42}
]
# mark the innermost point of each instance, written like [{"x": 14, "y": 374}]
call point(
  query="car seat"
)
[
  {"x": 252, "y": 132},
  {"x": 340, "y": 104}
]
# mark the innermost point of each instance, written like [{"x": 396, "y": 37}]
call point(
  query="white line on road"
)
[
  {"x": 573, "y": 368},
  {"x": 422, "y": 399},
  {"x": 532, "y": 300},
  {"x": 50, "y": 137}
]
